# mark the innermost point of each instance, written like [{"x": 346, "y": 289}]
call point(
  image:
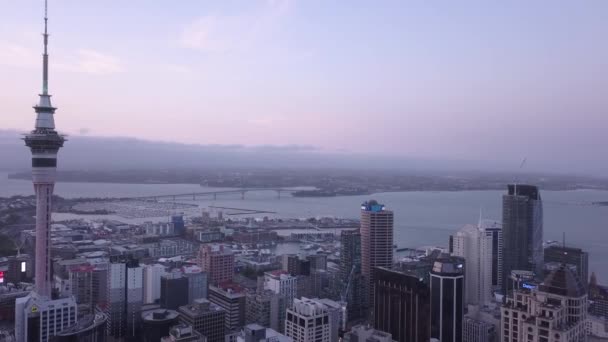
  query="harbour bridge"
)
[{"x": 211, "y": 194}]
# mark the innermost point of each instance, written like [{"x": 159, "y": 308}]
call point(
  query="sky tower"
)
[{"x": 44, "y": 142}]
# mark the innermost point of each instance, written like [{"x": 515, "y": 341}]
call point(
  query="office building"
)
[
  {"x": 480, "y": 246},
  {"x": 281, "y": 282},
  {"x": 152, "y": 275},
  {"x": 124, "y": 299},
  {"x": 206, "y": 318},
  {"x": 90, "y": 328},
  {"x": 173, "y": 290},
  {"x": 308, "y": 320},
  {"x": 352, "y": 282},
  {"x": 39, "y": 319},
  {"x": 376, "y": 242},
  {"x": 556, "y": 310},
  {"x": 401, "y": 306},
  {"x": 218, "y": 262},
  {"x": 522, "y": 231},
  {"x": 183, "y": 333},
  {"x": 267, "y": 309},
  {"x": 576, "y": 257},
  {"x": 157, "y": 323},
  {"x": 197, "y": 282},
  {"x": 365, "y": 333},
  {"x": 230, "y": 297},
  {"x": 447, "y": 298}
]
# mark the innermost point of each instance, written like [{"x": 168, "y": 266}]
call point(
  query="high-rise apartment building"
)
[
  {"x": 557, "y": 255},
  {"x": 522, "y": 231},
  {"x": 555, "y": 311},
  {"x": 206, "y": 318},
  {"x": 152, "y": 274},
  {"x": 401, "y": 306},
  {"x": 480, "y": 246},
  {"x": 124, "y": 299},
  {"x": 173, "y": 290},
  {"x": 218, "y": 262},
  {"x": 308, "y": 320},
  {"x": 447, "y": 298},
  {"x": 376, "y": 242},
  {"x": 232, "y": 298}
]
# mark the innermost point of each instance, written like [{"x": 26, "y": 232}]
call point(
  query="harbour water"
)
[{"x": 421, "y": 218}]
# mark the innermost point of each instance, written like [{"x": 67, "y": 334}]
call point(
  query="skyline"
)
[{"x": 299, "y": 73}]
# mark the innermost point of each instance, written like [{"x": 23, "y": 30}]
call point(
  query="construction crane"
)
[{"x": 343, "y": 296}]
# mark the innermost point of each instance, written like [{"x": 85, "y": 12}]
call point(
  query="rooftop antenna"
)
[
  {"x": 45, "y": 56},
  {"x": 480, "y": 217}
]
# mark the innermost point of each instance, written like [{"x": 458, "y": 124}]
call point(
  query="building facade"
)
[
  {"x": 402, "y": 306},
  {"x": 376, "y": 242},
  {"x": 218, "y": 262},
  {"x": 281, "y": 282},
  {"x": 267, "y": 309},
  {"x": 152, "y": 275},
  {"x": 206, "y": 318},
  {"x": 173, "y": 290},
  {"x": 557, "y": 255},
  {"x": 232, "y": 299},
  {"x": 554, "y": 311},
  {"x": 197, "y": 282},
  {"x": 522, "y": 215},
  {"x": 481, "y": 247},
  {"x": 307, "y": 321},
  {"x": 447, "y": 283},
  {"x": 125, "y": 298},
  {"x": 39, "y": 319}
]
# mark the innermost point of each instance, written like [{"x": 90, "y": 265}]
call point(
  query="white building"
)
[
  {"x": 281, "y": 282},
  {"x": 597, "y": 327},
  {"x": 125, "y": 299},
  {"x": 258, "y": 333},
  {"x": 308, "y": 321},
  {"x": 49, "y": 316},
  {"x": 366, "y": 333},
  {"x": 481, "y": 247},
  {"x": 152, "y": 274},
  {"x": 555, "y": 311}
]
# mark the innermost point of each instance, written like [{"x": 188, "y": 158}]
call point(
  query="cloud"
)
[
  {"x": 92, "y": 62},
  {"x": 15, "y": 55},
  {"x": 84, "y": 60},
  {"x": 176, "y": 68},
  {"x": 229, "y": 33}
]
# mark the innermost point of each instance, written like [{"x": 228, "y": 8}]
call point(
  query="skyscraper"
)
[
  {"x": 401, "y": 306},
  {"x": 376, "y": 242},
  {"x": 350, "y": 262},
  {"x": 522, "y": 217},
  {"x": 125, "y": 298},
  {"x": 44, "y": 142},
  {"x": 447, "y": 298},
  {"x": 480, "y": 246},
  {"x": 232, "y": 298}
]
